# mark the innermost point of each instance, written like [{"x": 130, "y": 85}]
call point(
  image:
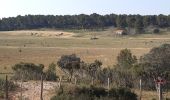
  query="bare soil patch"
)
[
  {"x": 32, "y": 90},
  {"x": 34, "y": 33}
]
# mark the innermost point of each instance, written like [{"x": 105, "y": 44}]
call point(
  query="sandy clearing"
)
[
  {"x": 150, "y": 38},
  {"x": 60, "y": 34},
  {"x": 31, "y": 90}
]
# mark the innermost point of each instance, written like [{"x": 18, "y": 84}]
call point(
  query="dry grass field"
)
[
  {"x": 46, "y": 46},
  {"x": 49, "y": 45}
]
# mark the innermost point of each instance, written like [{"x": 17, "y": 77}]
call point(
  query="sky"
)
[{"x": 12, "y": 8}]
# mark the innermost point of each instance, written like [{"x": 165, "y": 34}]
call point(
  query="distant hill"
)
[{"x": 83, "y": 21}]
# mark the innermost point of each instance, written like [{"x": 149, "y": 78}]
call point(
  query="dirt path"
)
[
  {"x": 16, "y": 47},
  {"x": 31, "y": 90},
  {"x": 162, "y": 38}
]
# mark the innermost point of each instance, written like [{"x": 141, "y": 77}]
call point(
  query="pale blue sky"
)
[{"x": 64, "y": 7}]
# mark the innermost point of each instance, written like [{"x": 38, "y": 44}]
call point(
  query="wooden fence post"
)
[
  {"x": 41, "y": 95},
  {"x": 60, "y": 80},
  {"x": 92, "y": 80},
  {"x": 75, "y": 81},
  {"x": 21, "y": 86},
  {"x": 108, "y": 83},
  {"x": 140, "y": 89},
  {"x": 160, "y": 91},
  {"x": 6, "y": 88}
]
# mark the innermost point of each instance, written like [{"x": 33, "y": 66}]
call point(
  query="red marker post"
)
[{"x": 160, "y": 82}]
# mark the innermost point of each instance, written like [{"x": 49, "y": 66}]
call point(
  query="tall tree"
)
[
  {"x": 125, "y": 59},
  {"x": 139, "y": 27},
  {"x": 157, "y": 61},
  {"x": 69, "y": 63},
  {"x": 162, "y": 21},
  {"x": 146, "y": 21},
  {"x": 131, "y": 21},
  {"x": 121, "y": 21}
]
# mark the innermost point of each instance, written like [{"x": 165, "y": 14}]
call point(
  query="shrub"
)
[
  {"x": 156, "y": 64},
  {"x": 62, "y": 97},
  {"x": 96, "y": 93},
  {"x": 70, "y": 63},
  {"x": 122, "y": 94},
  {"x": 126, "y": 59},
  {"x": 92, "y": 91},
  {"x": 126, "y": 94},
  {"x": 51, "y": 73},
  {"x": 27, "y": 71},
  {"x": 156, "y": 30},
  {"x": 11, "y": 87},
  {"x": 1, "y": 94}
]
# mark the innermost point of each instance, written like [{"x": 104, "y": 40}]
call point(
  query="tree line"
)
[{"x": 83, "y": 21}]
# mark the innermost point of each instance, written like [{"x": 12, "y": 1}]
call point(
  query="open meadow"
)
[{"x": 46, "y": 46}]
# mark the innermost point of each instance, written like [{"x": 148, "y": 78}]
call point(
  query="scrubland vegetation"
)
[{"x": 123, "y": 76}]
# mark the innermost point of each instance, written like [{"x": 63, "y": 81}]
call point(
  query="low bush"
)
[
  {"x": 27, "y": 71},
  {"x": 51, "y": 73},
  {"x": 122, "y": 94},
  {"x": 11, "y": 87},
  {"x": 96, "y": 93},
  {"x": 156, "y": 30}
]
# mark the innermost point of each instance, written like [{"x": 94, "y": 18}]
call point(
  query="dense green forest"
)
[{"x": 83, "y": 21}]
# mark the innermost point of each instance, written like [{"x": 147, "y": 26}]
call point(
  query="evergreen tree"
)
[{"x": 139, "y": 24}]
